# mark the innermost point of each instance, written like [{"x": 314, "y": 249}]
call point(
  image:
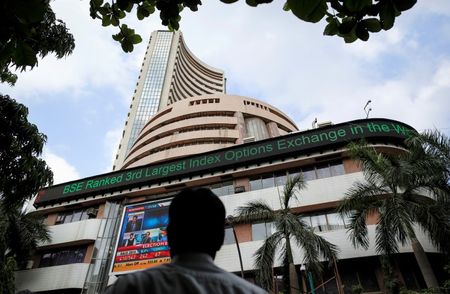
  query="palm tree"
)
[
  {"x": 287, "y": 227},
  {"x": 393, "y": 189},
  {"x": 20, "y": 234}
]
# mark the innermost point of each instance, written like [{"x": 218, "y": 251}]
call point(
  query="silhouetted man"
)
[{"x": 195, "y": 234}]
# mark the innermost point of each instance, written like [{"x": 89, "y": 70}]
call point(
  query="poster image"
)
[{"x": 142, "y": 240}]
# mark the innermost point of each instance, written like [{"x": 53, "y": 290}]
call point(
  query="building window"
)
[
  {"x": 223, "y": 189},
  {"x": 261, "y": 231},
  {"x": 309, "y": 173},
  {"x": 76, "y": 215},
  {"x": 326, "y": 222},
  {"x": 63, "y": 256},
  {"x": 229, "y": 237}
]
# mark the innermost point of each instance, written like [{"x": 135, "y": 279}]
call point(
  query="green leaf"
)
[
  {"x": 228, "y": 1},
  {"x": 308, "y": 10},
  {"x": 96, "y": 3},
  {"x": 31, "y": 11},
  {"x": 350, "y": 37},
  {"x": 372, "y": 24},
  {"x": 252, "y": 3},
  {"x": 403, "y": 5},
  {"x": 117, "y": 37},
  {"x": 114, "y": 21},
  {"x": 332, "y": 28},
  {"x": 286, "y": 6},
  {"x": 387, "y": 15},
  {"x": 135, "y": 39},
  {"x": 356, "y": 5},
  {"x": 127, "y": 46},
  {"x": 106, "y": 21},
  {"x": 347, "y": 25},
  {"x": 361, "y": 32},
  {"x": 24, "y": 55}
]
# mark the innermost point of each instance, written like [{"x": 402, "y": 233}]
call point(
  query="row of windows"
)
[
  {"x": 185, "y": 130},
  {"x": 63, "y": 256},
  {"x": 309, "y": 173},
  {"x": 319, "y": 223},
  {"x": 76, "y": 215},
  {"x": 204, "y": 101}
]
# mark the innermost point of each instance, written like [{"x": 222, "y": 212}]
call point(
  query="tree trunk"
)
[
  {"x": 293, "y": 280},
  {"x": 424, "y": 264}
]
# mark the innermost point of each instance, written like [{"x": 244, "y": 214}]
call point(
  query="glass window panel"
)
[
  {"x": 84, "y": 215},
  {"x": 280, "y": 179},
  {"x": 323, "y": 171},
  {"x": 229, "y": 236},
  {"x": 294, "y": 173},
  {"x": 46, "y": 260},
  {"x": 309, "y": 174},
  {"x": 255, "y": 184},
  {"x": 68, "y": 218},
  {"x": 77, "y": 215},
  {"x": 335, "y": 221},
  {"x": 268, "y": 181},
  {"x": 261, "y": 231},
  {"x": 319, "y": 223},
  {"x": 337, "y": 169},
  {"x": 60, "y": 219},
  {"x": 258, "y": 231}
]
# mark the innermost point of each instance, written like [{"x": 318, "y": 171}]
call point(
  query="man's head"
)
[
  {"x": 196, "y": 222},
  {"x": 134, "y": 219}
]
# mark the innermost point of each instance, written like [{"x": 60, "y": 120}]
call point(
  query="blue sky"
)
[{"x": 81, "y": 102}]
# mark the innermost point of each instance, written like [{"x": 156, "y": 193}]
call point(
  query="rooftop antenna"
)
[
  {"x": 367, "y": 111},
  {"x": 314, "y": 123}
]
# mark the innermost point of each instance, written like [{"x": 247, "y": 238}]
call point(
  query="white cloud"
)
[
  {"x": 62, "y": 170},
  {"x": 111, "y": 143}
]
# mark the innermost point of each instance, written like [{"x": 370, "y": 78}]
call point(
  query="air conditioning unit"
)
[
  {"x": 92, "y": 212},
  {"x": 324, "y": 124},
  {"x": 239, "y": 189},
  {"x": 248, "y": 139}
]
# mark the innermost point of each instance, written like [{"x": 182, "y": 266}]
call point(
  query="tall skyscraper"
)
[{"x": 169, "y": 73}]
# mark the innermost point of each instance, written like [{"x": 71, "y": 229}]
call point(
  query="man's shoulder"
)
[{"x": 242, "y": 283}]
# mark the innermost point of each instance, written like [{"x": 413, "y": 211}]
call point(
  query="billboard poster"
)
[{"x": 142, "y": 240}]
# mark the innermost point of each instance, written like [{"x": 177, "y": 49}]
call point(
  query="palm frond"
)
[
  {"x": 254, "y": 211},
  {"x": 357, "y": 229},
  {"x": 314, "y": 246},
  {"x": 362, "y": 196},
  {"x": 291, "y": 188},
  {"x": 264, "y": 259},
  {"x": 434, "y": 220}
]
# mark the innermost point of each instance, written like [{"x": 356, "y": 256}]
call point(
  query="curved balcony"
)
[
  {"x": 68, "y": 276},
  {"x": 73, "y": 232}
]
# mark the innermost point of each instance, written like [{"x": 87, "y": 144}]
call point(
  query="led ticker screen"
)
[
  {"x": 142, "y": 241},
  {"x": 298, "y": 143}
]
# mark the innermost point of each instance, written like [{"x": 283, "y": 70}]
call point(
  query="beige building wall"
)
[{"x": 204, "y": 123}]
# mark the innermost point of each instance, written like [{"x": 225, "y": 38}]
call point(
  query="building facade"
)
[
  {"x": 169, "y": 73},
  {"x": 184, "y": 131},
  {"x": 88, "y": 218}
]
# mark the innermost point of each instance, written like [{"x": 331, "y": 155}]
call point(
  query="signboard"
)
[
  {"x": 379, "y": 130},
  {"x": 142, "y": 239}
]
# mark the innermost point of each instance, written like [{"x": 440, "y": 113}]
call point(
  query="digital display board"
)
[
  {"x": 142, "y": 239},
  {"x": 376, "y": 130}
]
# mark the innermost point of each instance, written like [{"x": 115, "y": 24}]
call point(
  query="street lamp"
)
[
  {"x": 230, "y": 219},
  {"x": 368, "y": 110}
]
